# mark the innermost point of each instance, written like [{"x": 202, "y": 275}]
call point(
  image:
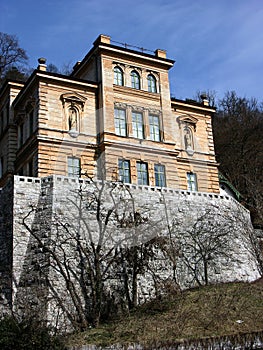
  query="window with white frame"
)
[
  {"x": 142, "y": 173},
  {"x": 124, "y": 170},
  {"x": 137, "y": 125},
  {"x": 118, "y": 76},
  {"x": 120, "y": 122},
  {"x": 135, "y": 80},
  {"x": 192, "y": 182},
  {"x": 154, "y": 125},
  {"x": 159, "y": 174},
  {"x": 151, "y": 83},
  {"x": 74, "y": 167}
]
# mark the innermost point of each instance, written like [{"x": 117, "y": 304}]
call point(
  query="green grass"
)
[{"x": 202, "y": 312}]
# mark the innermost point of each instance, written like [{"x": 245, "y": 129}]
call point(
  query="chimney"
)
[
  {"x": 160, "y": 53},
  {"x": 42, "y": 64},
  {"x": 102, "y": 39}
]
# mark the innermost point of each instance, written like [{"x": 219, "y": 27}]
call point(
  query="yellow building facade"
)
[{"x": 112, "y": 118}]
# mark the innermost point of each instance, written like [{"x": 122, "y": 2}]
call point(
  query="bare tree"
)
[
  {"x": 94, "y": 247},
  {"x": 67, "y": 68},
  {"x": 135, "y": 261},
  {"x": 210, "y": 96},
  {"x": 207, "y": 247},
  {"x": 52, "y": 68},
  {"x": 11, "y": 54},
  {"x": 239, "y": 148},
  {"x": 84, "y": 251},
  {"x": 203, "y": 243}
]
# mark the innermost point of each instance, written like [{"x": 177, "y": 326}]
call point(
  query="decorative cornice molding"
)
[
  {"x": 73, "y": 98},
  {"x": 187, "y": 119}
]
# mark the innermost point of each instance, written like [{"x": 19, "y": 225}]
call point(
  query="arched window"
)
[
  {"x": 118, "y": 76},
  {"x": 151, "y": 83},
  {"x": 135, "y": 80}
]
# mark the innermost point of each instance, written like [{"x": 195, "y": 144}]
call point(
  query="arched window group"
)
[{"x": 135, "y": 79}]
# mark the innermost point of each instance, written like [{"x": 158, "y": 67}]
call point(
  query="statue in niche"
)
[
  {"x": 188, "y": 139},
  {"x": 73, "y": 119}
]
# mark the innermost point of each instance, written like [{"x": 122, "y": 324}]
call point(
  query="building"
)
[{"x": 112, "y": 118}]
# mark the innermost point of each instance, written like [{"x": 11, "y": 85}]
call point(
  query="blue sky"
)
[{"x": 217, "y": 44}]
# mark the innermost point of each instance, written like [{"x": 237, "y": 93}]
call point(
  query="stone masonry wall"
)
[
  {"x": 30, "y": 264},
  {"x": 57, "y": 206},
  {"x": 6, "y": 244}
]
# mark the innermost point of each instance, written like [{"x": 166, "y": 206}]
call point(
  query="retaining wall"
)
[{"x": 42, "y": 203}]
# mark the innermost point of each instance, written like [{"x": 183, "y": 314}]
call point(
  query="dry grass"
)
[{"x": 217, "y": 310}]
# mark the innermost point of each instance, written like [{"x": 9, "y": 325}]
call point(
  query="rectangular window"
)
[
  {"x": 124, "y": 171},
  {"x": 137, "y": 125},
  {"x": 120, "y": 122},
  {"x": 154, "y": 124},
  {"x": 73, "y": 167},
  {"x": 192, "y": 182},
  {"x": 159, "y": 173},
  {"x": 142, "y": 173}
]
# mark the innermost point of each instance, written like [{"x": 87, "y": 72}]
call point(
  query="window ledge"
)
[{"x": 136, "y": 92}]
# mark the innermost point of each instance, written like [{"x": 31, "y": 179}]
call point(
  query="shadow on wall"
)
[{"x": 31, "y": 286}]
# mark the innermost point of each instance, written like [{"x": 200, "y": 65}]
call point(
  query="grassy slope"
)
[{"x": 202, "y": 312}]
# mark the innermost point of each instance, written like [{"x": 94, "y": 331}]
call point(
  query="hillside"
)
[{"x": 210, "y": 311}]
